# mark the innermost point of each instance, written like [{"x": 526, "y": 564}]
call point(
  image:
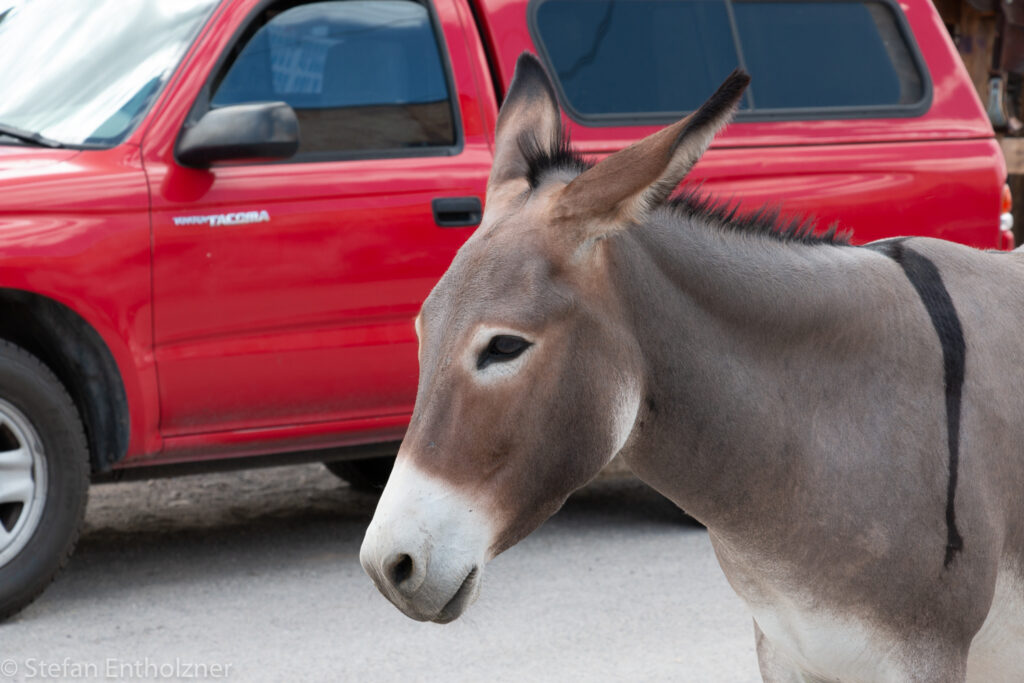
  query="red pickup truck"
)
[{"x": 218, "y": 218}]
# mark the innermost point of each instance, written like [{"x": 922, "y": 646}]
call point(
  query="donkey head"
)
[{"x": 530, "y": 378}]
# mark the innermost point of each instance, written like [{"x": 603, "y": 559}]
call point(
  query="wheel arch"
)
[{"x": 81, "y": 360}]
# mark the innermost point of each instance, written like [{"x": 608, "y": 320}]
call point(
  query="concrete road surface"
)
[{"x": 254, "y": 577}]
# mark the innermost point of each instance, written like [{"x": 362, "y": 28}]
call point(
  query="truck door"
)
[{"x": 284, "y": 292}]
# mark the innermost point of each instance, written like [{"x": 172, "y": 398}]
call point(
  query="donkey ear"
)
[
  {"x": 629, "y": 184},
  {"x": 529, "y": 113}
]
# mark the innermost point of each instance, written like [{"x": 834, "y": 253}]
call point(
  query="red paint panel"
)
[
  {"x": 304, "y": 319},
  {"x": 945, "y": 189},
  {"x": 74, "y": 227},
  {"x": 955, "y": 111},
  {"x": 293, "y": 438},
  {"x": 307, "y": 317},
  {"x": 937, "y": 174}
]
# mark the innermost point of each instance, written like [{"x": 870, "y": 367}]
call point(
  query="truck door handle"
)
[{"x": 454, "y": 212}]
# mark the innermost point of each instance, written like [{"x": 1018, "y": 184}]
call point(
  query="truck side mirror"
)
[{"x": 261, "y": 130}]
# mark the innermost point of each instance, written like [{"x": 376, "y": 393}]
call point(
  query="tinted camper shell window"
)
[{"x": 650, "y": 61}]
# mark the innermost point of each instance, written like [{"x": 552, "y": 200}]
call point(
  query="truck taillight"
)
[{"x": 1006, "y": 219}]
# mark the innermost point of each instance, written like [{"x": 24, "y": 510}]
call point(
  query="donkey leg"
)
[
  {"x": 930, "y": 663},
  {"x": 775, "y": 667},
  {"x": 945, "y": 665}
]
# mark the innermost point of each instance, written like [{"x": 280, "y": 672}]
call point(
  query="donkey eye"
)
[{"x": 503, "y": 347}]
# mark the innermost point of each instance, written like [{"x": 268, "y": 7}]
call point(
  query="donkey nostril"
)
[{"x": 401, "y": 570}]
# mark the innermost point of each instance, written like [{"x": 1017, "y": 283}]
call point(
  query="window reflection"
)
[
  {"x": 360, "y": 75},
  {"x": 84, "y": 72}
]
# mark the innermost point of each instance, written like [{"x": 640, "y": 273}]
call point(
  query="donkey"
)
[{"x": 846, "y": 421}]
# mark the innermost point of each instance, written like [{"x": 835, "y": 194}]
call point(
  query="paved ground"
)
[{"x": 256, "y": 575}]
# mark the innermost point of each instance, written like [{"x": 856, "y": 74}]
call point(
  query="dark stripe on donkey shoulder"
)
[{"x": 927, "y": 280}]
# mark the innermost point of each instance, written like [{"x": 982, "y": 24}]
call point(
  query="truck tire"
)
[
  {"x": 44, "y": 477},
  {"x": 366, "y": 474}
]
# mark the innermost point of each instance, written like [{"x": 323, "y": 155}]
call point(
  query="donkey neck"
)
[{"x": 741, "y": 336}]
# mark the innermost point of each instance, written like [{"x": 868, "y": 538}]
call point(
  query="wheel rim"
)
[{"x": 22, "y": 481}]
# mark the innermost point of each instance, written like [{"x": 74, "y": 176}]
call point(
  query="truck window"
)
[
  {"x": 84, "y": 74},
  {"x": 361, "y": 75},
  {"x": 620, "y": 59}
]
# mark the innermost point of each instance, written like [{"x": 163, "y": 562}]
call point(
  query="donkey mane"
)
[
  {"x": 558, "y": 155},
  {"x": 692, "y": 202},
  {"x": 551, "y": 156}
]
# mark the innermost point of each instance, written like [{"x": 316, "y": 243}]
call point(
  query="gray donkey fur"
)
[{"x": 846, "y": 421}]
